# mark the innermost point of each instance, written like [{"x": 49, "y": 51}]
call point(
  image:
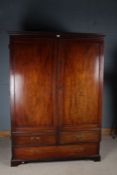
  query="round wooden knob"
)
[
  {"x": 37, "y": 138},
  {"x": 32, "y": 138},
  {"x": 78, "y": 136}
]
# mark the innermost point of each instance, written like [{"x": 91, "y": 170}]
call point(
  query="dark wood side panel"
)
[{"x": 33, "y": 72}]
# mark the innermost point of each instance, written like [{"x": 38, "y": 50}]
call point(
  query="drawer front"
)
[
  {"x": 81, "y": 136},
  {"x": 55, "y": 152},
  {"x": 34, "y": 140}
]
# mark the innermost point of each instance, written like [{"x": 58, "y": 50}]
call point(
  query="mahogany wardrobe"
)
[{"x": 56, "y": 84}]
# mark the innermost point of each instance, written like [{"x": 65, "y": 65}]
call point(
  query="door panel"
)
[
  {"x": 34, "y": 82},
  {"x": 79, "y": 81}
]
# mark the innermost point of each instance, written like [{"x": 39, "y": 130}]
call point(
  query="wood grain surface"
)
[{"x": 56, "y": 83}]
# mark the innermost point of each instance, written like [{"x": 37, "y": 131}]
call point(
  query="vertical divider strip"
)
[
  {"x": 56, "y": 68},
  {"x": 60, "y": 91}
]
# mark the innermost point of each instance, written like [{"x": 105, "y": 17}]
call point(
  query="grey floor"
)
[{"x": 107, "y": 166}]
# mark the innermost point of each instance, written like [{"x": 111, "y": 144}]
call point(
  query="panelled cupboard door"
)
[
  {"x": 78, "y": 95},
  {"x": 33, "y": 84}
]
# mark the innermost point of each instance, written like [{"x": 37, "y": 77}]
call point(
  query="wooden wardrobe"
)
[{"x": 56, "y": 96}]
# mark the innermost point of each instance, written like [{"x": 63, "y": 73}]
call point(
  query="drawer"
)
[
  {"x": 81, "y": 136},
  {"x": 55, "y": 152},
  {"x": 34, "y": 140}
]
